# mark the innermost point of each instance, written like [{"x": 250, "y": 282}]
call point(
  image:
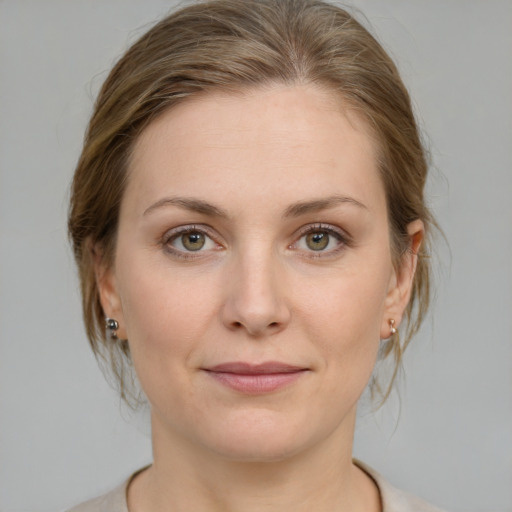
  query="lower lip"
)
[{"x": 256, "y": 384}]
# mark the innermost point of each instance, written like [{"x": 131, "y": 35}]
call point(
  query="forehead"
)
[{"x": 299, "y": 140}]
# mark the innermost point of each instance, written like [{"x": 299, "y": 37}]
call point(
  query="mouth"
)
[{"x": 256, "y": 379}]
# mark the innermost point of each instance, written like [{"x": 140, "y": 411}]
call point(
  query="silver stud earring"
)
[
  {"x": 392, "y": 328},
  {"x": 112, "y": 325}
]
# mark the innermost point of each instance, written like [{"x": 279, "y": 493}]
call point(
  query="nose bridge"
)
[{"x": 256, "y": 301}]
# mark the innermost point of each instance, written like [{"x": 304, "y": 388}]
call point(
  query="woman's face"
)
[{"x": 253, "y": 275}]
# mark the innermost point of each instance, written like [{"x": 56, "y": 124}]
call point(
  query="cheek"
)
[
  {"x": 343, "y": 317},
  {"x": 166, "y": 316},
  {"x": 350, "y": 304}
]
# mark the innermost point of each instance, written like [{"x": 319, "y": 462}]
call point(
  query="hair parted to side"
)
[{"x": 230, "y": 45}]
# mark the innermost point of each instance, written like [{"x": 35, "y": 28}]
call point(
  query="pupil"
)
[
  {"x": 317, "y": 241},
  {"x": 193, "y": 241}
]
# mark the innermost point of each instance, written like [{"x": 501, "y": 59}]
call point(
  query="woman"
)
[{"x": 248, "y": 220}]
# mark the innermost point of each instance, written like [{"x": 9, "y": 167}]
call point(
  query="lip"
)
[{"x": 256, "y": 379}]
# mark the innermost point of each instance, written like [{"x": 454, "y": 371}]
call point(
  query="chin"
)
[
  {"x": 257, "y": 449},
  {"x": 260, "y": 438}
]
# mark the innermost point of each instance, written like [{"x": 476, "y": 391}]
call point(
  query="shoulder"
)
[
  {"x": 395, "y": 500},
  {"x": 113, "y": 501}
]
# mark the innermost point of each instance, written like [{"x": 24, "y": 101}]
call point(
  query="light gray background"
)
[{"x": 63, "y": 435}]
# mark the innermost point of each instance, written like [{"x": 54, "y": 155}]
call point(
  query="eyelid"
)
[
  {"x": 178, "y": 231},
  {"x": 345, "y": 240},
  {"x": 321, "y": 226}
]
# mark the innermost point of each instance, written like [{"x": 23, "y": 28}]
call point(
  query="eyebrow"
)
[
  {"x": 316, "y": 205},
  {"x": 189, "y": 203},
  {"x": 294, "y": 210}
]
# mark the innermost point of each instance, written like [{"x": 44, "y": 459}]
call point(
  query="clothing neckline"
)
[{"x": 377, "y": 479}]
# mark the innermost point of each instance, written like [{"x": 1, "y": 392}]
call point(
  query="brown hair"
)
[{"x": 229, "y": 45}]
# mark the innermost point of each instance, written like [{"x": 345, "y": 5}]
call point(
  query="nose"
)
[{"x": 255, "y": 300}]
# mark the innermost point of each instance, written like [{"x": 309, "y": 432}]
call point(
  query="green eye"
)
[
  {"x": 188, "y": 240},
  {"x": 317, "y": 241},
  {"x": 193, "y": 241},
  {"x": 320, "y": 240}
]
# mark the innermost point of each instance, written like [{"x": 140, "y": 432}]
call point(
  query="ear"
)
[
  {"x": 401, "y": 282},
  {"x": 108, "y": 290}
]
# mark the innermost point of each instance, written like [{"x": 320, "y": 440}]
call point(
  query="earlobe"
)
[
  {"x": 108, "y": 292},
  {"x": 402, "y": 282}
]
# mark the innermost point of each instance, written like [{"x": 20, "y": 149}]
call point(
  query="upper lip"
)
[{"x": 243, "y": 368}]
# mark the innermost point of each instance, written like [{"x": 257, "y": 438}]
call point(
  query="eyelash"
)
[
  {"x": 341, "y": 236},
  {"x": 174, "y": 234}
]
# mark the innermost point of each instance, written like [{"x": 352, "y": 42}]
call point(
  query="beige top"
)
[{"x": 393, "y": 500}]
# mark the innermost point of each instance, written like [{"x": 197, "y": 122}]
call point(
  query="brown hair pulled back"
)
[{"x": 231, "y": 45}]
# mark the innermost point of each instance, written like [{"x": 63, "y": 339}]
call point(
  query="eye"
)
[
  {"x": 181, "y": 241},
  {"x": 193, "y": 241},
  {"x": 320, "y": 239}
]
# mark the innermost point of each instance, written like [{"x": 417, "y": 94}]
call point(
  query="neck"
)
[{"x": 184, "y": 477}]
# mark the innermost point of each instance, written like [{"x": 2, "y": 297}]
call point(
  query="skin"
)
[{"x": 258, "y": 290}]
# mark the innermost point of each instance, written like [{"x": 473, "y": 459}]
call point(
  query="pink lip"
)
[{"x": 256, "y": 379}]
